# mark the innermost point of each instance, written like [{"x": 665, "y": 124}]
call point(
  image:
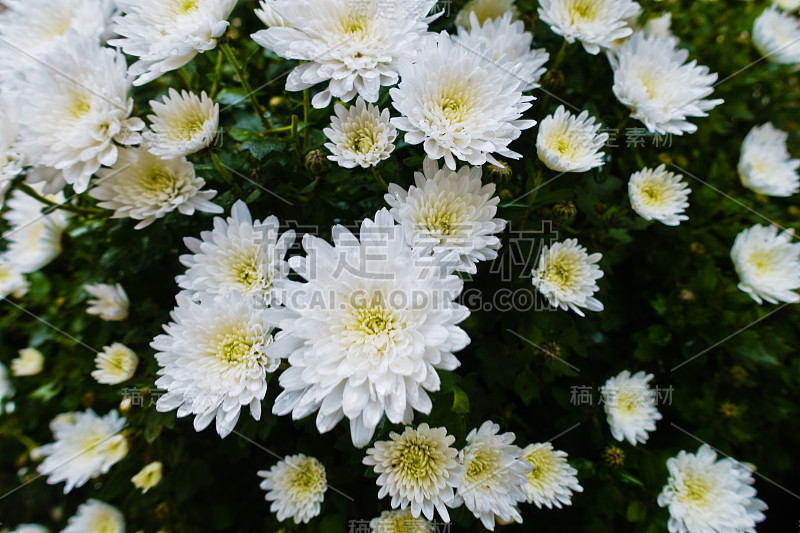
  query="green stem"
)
[
  {"x": 378, "y": 178},
  {"x": 306, "y": 112},
  {"x": 227, "y": 175},
  {"x": 187, "y": 79},
  {"x": 278, "y": 130},
  {"x": 217, "y": 71},
  {"x": 27, "y": 189},
  {"x": 296, "y": 137},
  {"x": 251, "y": 95},
  {"x": 559, "y": 56}
]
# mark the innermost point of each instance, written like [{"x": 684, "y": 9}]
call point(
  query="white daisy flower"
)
[
  {"x": 31, "y": 528},
  {"x": 167, "y": 34},
  {"x": 29, "y": 363},
  {"x": 567, "y": 276},
  {"x": 448, "y": 212},
  {"x": 510, "y": 45},
  {"x": 361, "y": 135},
  {"x": 552, "y": 480},
  {"x": 567, "y": 143},
  {"x": 213, "y": 360},
  {"x": 148, "y": 477},
  {"x": 630, "y": 406},
  {"x": 459, "y": 103},
  {"x": 115, "y": 364},
  {"x": 418, "y": 469},
  {"x": 267, "y": 14},
  {"x": 183, "y": 124},
  {"x": 768, "y": 264},
  {"x": 369, "y": 329},
  {"x": 595, "y": 23},
  {"x": 765, "y": 165},
  {"x": 6, "y": 388},
  {"x": 704, "y": 494},
  {"x": 658, "y": 194},
  {"x": 96, "y": 517},
  {"x": 296, "y": 487},
  {"x": 485, "y": 10},
  {"x": 356, "y": 46},
  {"x": 495, "y": 475},
  {"x": 776, "y": 35},
  {"x": 86, "y": 446},
  {"x": 145, "y": 187},
  {"x": 400, "y": 522},
  {"x": 110, "y": 303},
  {"x": 652, "y": 78},
  {"x": 11, "y": 280}
]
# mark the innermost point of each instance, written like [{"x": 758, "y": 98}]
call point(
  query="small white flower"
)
[
  {"x": 86, "y": 446},
  {"x": 267, "y": 14},
  {"x": 11, "y": 279},
  {"x": 296, "y": 487},
  {"x": 110, "y": 303},
  {"x": 115, "y": 364},
  {"x": 567, "y": 276},
  {"x": 630, "y": 406},
  {"x": 768, "y": 264},
  {"x": 148, "y": 477},
  {"x": 658, "y": 194},
  {"x": 29, "y": 363},
  {"x": 552, "y": 480},
  {"x": 418, "y": 469},
  {"x": 96, "y": 517},
  {"x": 776, "y": 35},
  {"x": 706, "y": 495},
  {"x": 31, "y": 528},
  {"x": 400, "y": 522},
  {"x": 595, "y": 23},
  {"x": 652, "y": 78},
  {"x": 183, "y": 124},
  {"x": 448, "y": 212},
  {"x": 765, "y": 165},
  {"x": 495, "y": 475},
  {"x": 6, "y": 388},
  {"x": 167, "y": 34},
  {"x": 567, "y": 143},
  {"x": 361, "y": 135},
  {"x": 484, "y": 11},
  {"x": 145, "y": 187}
]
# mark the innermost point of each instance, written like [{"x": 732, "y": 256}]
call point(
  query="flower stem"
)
[
  {"x": 27, "y": 189},
  {"x": 217, "y": 70},
  {"x": 378, "y": 178},
  {"x": 306, "y": 112},
  {"x": 226, "y": 174},
  {"x": 251, "y": 95}
]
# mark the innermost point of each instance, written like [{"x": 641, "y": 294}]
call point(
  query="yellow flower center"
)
[
  {"x": 762, "y": 261},
  {"x": 306, "y": 478},
  {"x": 481, "y": 468},
  {"x": 234, "y": 346},
  {"x": 696, "y": 489},
  {"x": 582, "y": 11}
]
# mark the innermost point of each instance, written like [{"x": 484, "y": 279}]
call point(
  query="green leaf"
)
[{"x": 261, "y": 146}]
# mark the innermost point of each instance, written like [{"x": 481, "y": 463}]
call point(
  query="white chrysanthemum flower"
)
[
  {"x": 448, "y": 212},
  {"x": 240, "y": 255},
  {"x": 495, "y": 475},
  {"x": 11, "y": 280},
  {"x": 552, "y": 480},
  {"x": 418, "y": 469},
  {"x": 75, "y": 107},
  {"x": 567, "y": 143},
  {"x": 183, "y": 124},
  {"x": 658, "y": 194},
  {"x": 167, "y": 34},
  {"x": 595, "y": 23},
  {"x": 86, "y": 446},
  {"x": 31, "y": 528},
  {"x": 267, "y": 14},
  {"x": 706, "y": 495},
  {"x": 567, "y": 276},
  {"x": 29, "y": 363},
  {"x": 110, "y": 303},
  {"x": 355, "y": 45},
  {"x": 148, "y": 477},
  {"x": 296, "y": 487},
  {"x": 145, "y": 187},
  {"x": 788, "y": 5},
  {"x": 361, "y": 135},
  {"x": 765, "y": 165},
  {"x": 510, "y": 45},
  {"x": 115, "y": 364},
  {"x": 459, "y": 103},
  {"x": 369, "y": 329},
  {"x": 213, "y": 360},
  {"x": 400, "y": 522},
  {"x": 652, "y": 78},
  {"x": 96, "y": 517},
  {"x": 768, "y": 264},
  {"x": 776, "y": 35},
  {"x": 485, "y": 10},
  {"x": 630, "y": 406},
  {"x": 6, "y": 388}
]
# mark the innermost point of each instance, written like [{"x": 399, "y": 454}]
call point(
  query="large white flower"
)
[
  {"x": 765, "y": 165},
  {"x": 86, "y": 446},
  {"x": 115, "y": 364},
  {"x": 110, "y": 303},
  {"x": 167, "y": 34},
  {"x": 400, "y": 522},
  {"x": 567, "y": 276},
  {"x": 418, "y": 469},
  {"x": 495, "y": 475},
  {"x": 296, "y": 487},
  {"x": 707, "y": 495},
  {"x": 183, "y": 124},
  {"x": 595, "y": 23},
  {"x": 459, "y": 103},
  {"x": 96, "y": 517},
  {"x": 240, "y": 255},
  {"x": 658, "y": 194},
  {"x": 510, "y": 45},
  {"x": 29, "y": 363},
  {"x": 652, "y": 78},
  {"x": 552, "y": 480},
  {"x": 355, "y": 45},
  {"x": 776, "y": 35},
  {"x": 567, "y": 143},
  {"x": 369, "y": 329},
  {"x": 213, "y": 360},
  {"x": 145, "y": 187},
  {"x": 484, "y": 11},
  {"x": 768, "y": 264},
  {"x": 11, "y": 280},
  {"x": 361, "y": 135},
  {"x": 630, "y": 406},
  {"x": 449, "y": 211}
]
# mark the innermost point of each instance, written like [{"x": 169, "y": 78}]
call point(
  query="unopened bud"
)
[
  {"x": 317, "y": 162},
  {"x": 614, "y": 457}
]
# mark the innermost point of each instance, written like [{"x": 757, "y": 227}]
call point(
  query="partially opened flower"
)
[
  {"x": 29, "y": 363},
  {"x": 595, "y": 23},
  {"x": 360, "y": 135},
  {"x": 567, "y": 276},
  {"x": 658, "y": 194},
  {"x": 485, "y": 10},
  {"x": 768, "y": 264},
  {"x": 148, "y": 477},
  {"x": 183, "y": 124},
  {"x": 96, "y": 517},
  {"x": 110, "y": 301},
  {"x": 115, "y": 364},
  {"x": 296, "y": 487},
  {"x": 776, "y": 35},
  {"x": 630, "y": 406},
  {"x": 569, "y": 143},
  {"x": 765, "y": 165},
  {"x": 552, "y": 480}
]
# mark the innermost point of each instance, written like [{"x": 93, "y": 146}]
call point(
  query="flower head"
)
[
  {"x": 776, "y": 35},
  {"x": 400, "y": 522},
  {"x": 110, "y": 303},
  {"x": 183, "y": 124},
  {"x": 567, "y": 276},
  {"x": 658, "y": 194},
  {"x": 765, "y": 165},
  {"x": 115, "y": 364},
  {"x": 595, "y": 23},
  {"x": 630, "y": 406},
  {"x": 148, "y": 477},
  {"x": 29, "y": 363},
  {"x": 96, "y": 517},
  {"x": 360, "y": 135},
  {"x": 768, "y": 264},
  {"x": 11, "y": 279},
  {"x": 296, "y": 487},
  {"x": 552, "y": 480},
  {"x": 567, "y": 143}
]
